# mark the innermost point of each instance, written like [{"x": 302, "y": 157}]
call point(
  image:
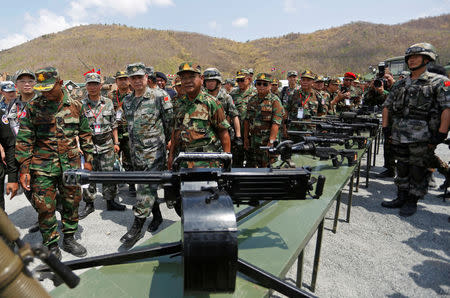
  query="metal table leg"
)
[
  {"x": 376, "y": 140},
  {"x": 357, "y": 176},
  {"x": 336, "y": 213},
  {"x": 317, "y": 256},
  {"x": 350, "y": 197},
  {"x": 369, "y": 155},
  {"x": 298, "y": 282}
]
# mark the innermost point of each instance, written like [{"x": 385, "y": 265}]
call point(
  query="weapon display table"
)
[{"x": 272, "y": 238}]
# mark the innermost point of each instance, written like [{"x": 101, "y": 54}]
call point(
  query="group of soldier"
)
[{"x": 148, "y": 124}]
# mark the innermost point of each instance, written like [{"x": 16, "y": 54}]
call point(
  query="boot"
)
[
  {"x": 54, "y": 249},
  {"x": 157, "y": 218},
  {"x": 88, "y": 209},
  {"x": 389, "y": 173},
  {"x": 34, "y": 228},
  {"x": 410, "y": 207},
  {"x": 73, "y": 247},
  {"x": 398, "y": 202},
  {"x": 113, "y": 205},
  {"x": 134, "y": 234},
  {"x": 132, "y": 190}
]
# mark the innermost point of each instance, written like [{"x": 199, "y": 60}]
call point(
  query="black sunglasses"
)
[
  {"x": 240, "y": 80},
  {"x": 265, "y": 84}
]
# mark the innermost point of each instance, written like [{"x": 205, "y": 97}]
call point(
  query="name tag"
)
[
  {"x": 300, "y": 113},
  {"x": 119, "y": 115},
  {"x": 347, "y": 102},
  {"x": 97, "y": 128}
]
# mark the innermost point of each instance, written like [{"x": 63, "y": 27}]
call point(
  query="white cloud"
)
[
  {"x": 212, "y": 25},
  {"x": 12, "y": 40},
  {"x": 240, "y": 22},
  {"x": 289, "y": 6}
]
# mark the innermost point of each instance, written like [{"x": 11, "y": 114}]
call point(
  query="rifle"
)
[
  {"x": 286, "y": 148},
  {"x": 209, "y": 245},
  {"x": 330, "y": 125},
  {"x": 349, "y": 141},
  {"x": 325, "y": 127}
]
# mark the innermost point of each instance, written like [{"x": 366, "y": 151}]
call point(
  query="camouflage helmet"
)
[
  {"x": 212, "y": 74},
  {"x": 423, "y": 48},
  {"x": 21, "y": 72}
]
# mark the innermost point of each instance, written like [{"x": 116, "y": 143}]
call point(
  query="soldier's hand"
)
[
  {"x": 3, "y": 155},
  {"x": 238, "y": 142},
  {"x": 12, "y": 188},
  {"x": 169, "y": 145},
  {"x": 25, "y": 181},
  {"x": 88, "y": 166},
  {"x": 116, "y": 148}
]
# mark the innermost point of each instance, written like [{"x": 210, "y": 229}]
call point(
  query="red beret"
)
[{"x": 350, "y": 75}]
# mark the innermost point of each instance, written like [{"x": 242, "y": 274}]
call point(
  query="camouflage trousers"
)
[
  {"x": 258, "y": 158},
  {"x": 125, "y": 149},
  {"x": 102, "y": 162},
  {"x": 44, "y": 191},
  {"x": 389, "y": 158},
  {"x": 145, "y": 198},
  {"x": 413, "y": 161}
]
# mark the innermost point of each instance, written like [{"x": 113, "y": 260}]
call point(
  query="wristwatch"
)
[{"x": 118, "y": 144}]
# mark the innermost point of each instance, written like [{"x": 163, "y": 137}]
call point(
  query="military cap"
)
[
  {"x": 23, "y": 72},
  {"x": 240, "y": 74},
  {"x": 308, "y": 74},
  {"x": 177, "y": 81},
  {"x": 93, "y": 78},
  {"x": 291, "y": 73},
  {"x": 350, "y": 75},
  {"x": 319, "y": 78},
  {"x": 189, "y": 66},
  {"x": 267, "y": 77},
  {"x": 8, "y": 86},
  {"x": 161, "y": 75},
  {"x": 136, "y": 69},
  {"x": 121, "y": 74},
  {"x": 251, "y": 71},
  {"x": 150, "y": 70},
  {"x": 275, "y": 82},
  {"x": 229, "y": 81},
  {"x": 334, "y": 80},
  {"x": 46, "y": 78}
]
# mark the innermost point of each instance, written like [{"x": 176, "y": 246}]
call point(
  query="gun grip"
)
[{"x": 319, "y": 187}]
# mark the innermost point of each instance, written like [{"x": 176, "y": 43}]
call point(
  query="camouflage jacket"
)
[
  {"x": 415, "y": 107},
  {"x": 303, "y": 104},
  {"x": 262, "y": 113},
  {"x": 227, "y": 103},
  {"x": 240, "y": 99},
  {"x": 350, "y": 103},
  {"x": 149, "y": 118},
  {"x": 197, "y": 122},
  {"x": 47, "y": 137},
  {"x": 102, "y": 121},
  {"x": 328, "y": 98},
  {"x": 287, "y": 93},
  {"x": 372, "y": 98},
  {"x": 117, "y": 100}
]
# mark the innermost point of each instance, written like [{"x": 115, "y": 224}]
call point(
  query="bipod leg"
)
[
  {"x": 123, "y": 257},
  {"x": 270, "y": 281}
]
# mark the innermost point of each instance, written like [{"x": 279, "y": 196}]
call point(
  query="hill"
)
[{"x": 333, "y": 51}]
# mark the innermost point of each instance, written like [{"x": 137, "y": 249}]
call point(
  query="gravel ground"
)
[{"x": 377, "y": 254}]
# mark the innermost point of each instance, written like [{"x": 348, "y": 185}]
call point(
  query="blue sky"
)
[{"x": 239, "y": 20}]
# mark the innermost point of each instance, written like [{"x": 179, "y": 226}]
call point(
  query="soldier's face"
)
[
  {"x": 415, "y": 61},
  {"x": 262, "y": 87},
  {"x": 307, "y": 83},
  {"x": 211, "y": 84},
  {"x": 122, "y": 83},
  {"x": 9, "y": 95},
  {"x": 333, "y": 87},
  {"x": 55, "y": 93},
  {"x": 93, "y": 89},
  {"x": 244, "y": 82},
  {"x": 348, "y": 82},
  {"x": 319, "y": 85},
  {"x": 191, "y": 82},
  {"x": 139, "y": 83},
  {"x": 25, "y": 84},
  {"x": 292, "y": 80},
  {"x": 161, "y": 83},
  {"x": 274, "y": 88}
]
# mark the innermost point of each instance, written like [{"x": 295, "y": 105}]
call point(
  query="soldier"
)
[
  {"x": 161, "y": 80},
  {"x": 275, "y": 88},
  {"x": 304, "y": 103},
  {"x": 46, "y": 147},
  {"x": 288, "y": 91},
  {"x": 117, "y": 97},
  {"x": 319, "y": 86},
  {"x": 348, "y": 96},
  {"x": 240, "y": 96},
  {"x": 149, "y": 115},
  {"x": 331, "y": 91},
  {"x": 419, "y": 107},
  {"x": 262, "y": 122},
  {"x": 100, "y": 113},
  {"x": 228, "y": 85},
  {"x": 212, "y": 81},
  {"x": 178, "y": 88},
  {"x": 200, "y": 120},
  {"x": 9, "y": 93}
]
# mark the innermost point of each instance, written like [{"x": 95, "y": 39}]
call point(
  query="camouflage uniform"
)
[
  {"x": 46, "y": 146},
  {"x": 122, "y": 129},
  {"x": 415, "y": 107},
  {"x": 309, "y": 102},
  {"x": 149, "y": 118},
  {"x": 262, "y": 113},
  {"x": 349, "y": 104},
  {"x": 102, "y": 120}
]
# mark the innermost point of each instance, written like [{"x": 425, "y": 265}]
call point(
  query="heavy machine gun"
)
[
  {"x": 209, "y": 245},
  {"x": 336, "y": 126},
  {"x": 286, "y": 148},
  {"x": 15, "y": 279},
  {"x": 349, "y": 141}
]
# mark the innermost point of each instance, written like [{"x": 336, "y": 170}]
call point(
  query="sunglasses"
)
[
  {"x": 265, "y": 84},
  {"x": 240, "y": 80}
]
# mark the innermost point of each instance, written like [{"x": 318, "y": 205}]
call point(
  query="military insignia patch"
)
[
  {"x": 186, "y": 66},
  {"x": 41, "y": 77},
  {"x": 134, "y": 69},
  {"x": 263, "y": 76},
  {"x": 5, "y": 119}
]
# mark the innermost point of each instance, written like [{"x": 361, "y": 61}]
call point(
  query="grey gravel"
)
[{"x": 377, "y": 254}]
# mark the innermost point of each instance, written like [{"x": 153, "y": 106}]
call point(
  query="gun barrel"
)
[{"x": 80, "y": 177}]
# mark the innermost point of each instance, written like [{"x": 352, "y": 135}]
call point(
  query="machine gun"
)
[
  {"x": 325, "y": 127},
  {"x": 286, "y": 148},
  {"x": 349, "y": 141},
  {"x": 335, "y": 126},
  {"x": 15, "y": 279},
  {"x": 352, "y": 117},
  {"x": 209, "y": 245},
  {"x": 323, "y": 142}
]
